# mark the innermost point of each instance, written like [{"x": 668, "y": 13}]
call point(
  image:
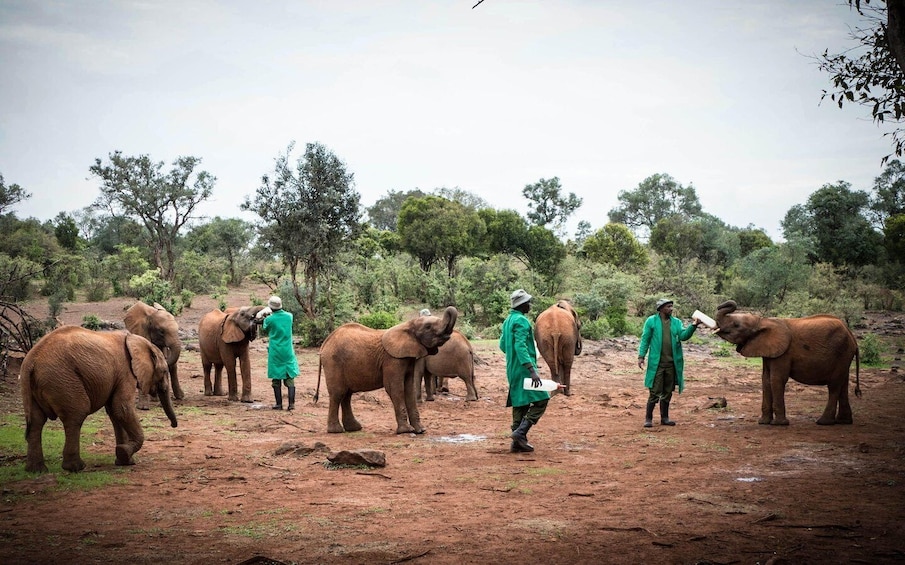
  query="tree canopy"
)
[
  {"x": 436, "y": 229},
  {"x": 657, "y": 197},
  {"x": 137, "y": 188},
  {"x": 548, "y": 205},
  {"x": 10, "y": 195}
]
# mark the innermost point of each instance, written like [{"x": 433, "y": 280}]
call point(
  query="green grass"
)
[
  {"x": 13, "y": 451},
  {"x": 260, "y": 530}
]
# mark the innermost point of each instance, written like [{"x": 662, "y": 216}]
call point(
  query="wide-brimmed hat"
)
[
  {"x": 519, "y": 297},
  {"x": 424, "y": 312},
  {"x": 275, "y": 303},
  {"x": 663, "y": 302}
]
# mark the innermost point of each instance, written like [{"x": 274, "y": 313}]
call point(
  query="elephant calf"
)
[
  {"x": 557, "y": 332},
  {"x": 355, "y": 358},
  {"x": 454, "y": 359},
  {"x": 73, "y": 372}
]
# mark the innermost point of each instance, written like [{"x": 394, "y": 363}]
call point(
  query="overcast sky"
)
[{"x": 432, "y": 93}]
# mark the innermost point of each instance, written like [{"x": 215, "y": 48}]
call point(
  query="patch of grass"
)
[
  {"x": 330, "y": 466},
  {"x": 711, "y": 446},
  {"x": 14, "y": 450},
  {"x": 543, "y": 471},
  {"x": 259, "y": 530},
  {"x": 374, "y": 510}
]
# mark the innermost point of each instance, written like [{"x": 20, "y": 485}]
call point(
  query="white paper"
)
[
  {"x": 704, "y": 318},
  {"x": 545, "y": 384}
]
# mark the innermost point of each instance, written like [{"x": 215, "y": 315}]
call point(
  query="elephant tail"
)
[
  {"x": 857, "y": 372},
  {"x": 557, "y": 376},
  {"x": 317, "y": 391}
]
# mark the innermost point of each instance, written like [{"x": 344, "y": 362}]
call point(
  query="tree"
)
[
  {"x": 543, "y": 252},
  {"x": 763, "y": 278},
  {"x": 227, "y": 238},
  {"x": 889, "y": 194},
  {"x": 137, "y": 188},
  {"x": 506, "y": 231},
  {"x": 615, "y": 245},
  {"x": 66, "y": 231},
  {"x": 657, "y": 197},
  {"x": 549, "y": 207},
  {"x": 871, "y": 74},
  {"x": 10, "y": 195},
  {"x": 310, "y": 215},
  {"x": 751, "y": 239},
  {"x": 676, "y": 238},
  {"x": 894, "y": 237},
  {"x": 833, "y": 218},
  {"x": 435, "y": 229},
  {"x": 384, "y": 213}
]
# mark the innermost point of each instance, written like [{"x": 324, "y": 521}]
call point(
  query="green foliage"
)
[
  {"x": 92, "y": 322},
  {"x": 870, "y": 350},
  {"x": 11, "y": 194},
  {"x": 766, "y": 277},
  {"x": 657, "y": 197},
  {"x": 385, "y": 211},
  {"x": 379, "y": 320},
  {"x": 545, "y": 253},
  {"x": 595, "y": 329},
  {"x": 121, "y": 266},
  {"x": 28, "y": 239},
  {"x": 437, "y": 230},
  {"x": 186, "y": 296},
  {"x": 199, "y": 272},
  {"x": 150, "y": 288},
  {"x": 310, "y": 215},
  {"x": 227, "y": 240},
  {"x": 16, "y": 275},
  {"x": 66, "y": 231},
  {"x": 614, "y": 244},
  {"x": 548, "y": 206}
]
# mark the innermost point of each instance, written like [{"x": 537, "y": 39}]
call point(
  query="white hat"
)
[
  {"x": 663, "y": 302},
  {"x": 519, "y": 297},
  {"x": 424, "y": 312},
  {"x": 275, "y": 303}
]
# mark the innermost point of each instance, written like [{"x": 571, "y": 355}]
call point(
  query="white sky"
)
[{"x": 428, "y": 94}]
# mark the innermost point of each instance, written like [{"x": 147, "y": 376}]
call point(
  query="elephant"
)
[
  {"x": 72, "y": 372},
  {"x": 355, "y": 358},
  {"x": 557, "y": 331},
  {"x": 454, "y": 359},
  {"x": 159, "y": 327},
  {"x": 223, "y": 337},
  {"x": 815, "y": 350}
]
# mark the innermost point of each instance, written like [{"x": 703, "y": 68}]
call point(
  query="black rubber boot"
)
[
  {"x": 278, "y": 395},
  {"x": 664, "y": 414},
  {"x": 649, "y": 415},
  {"x": 291, "y": 398},
  {"x": 520, "y": 438}
]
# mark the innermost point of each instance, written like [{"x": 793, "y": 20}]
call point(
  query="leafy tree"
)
[
  {"x": 28, "y": 238},
  {"x": 894, "y": 237},
  {"x": 506, "y": 231},
  {"x": 463, "y": 197},
  {"x": 384, "y": 213},
  {"x": 657, "y": 197},
  {"x": 751, "y": 239},
  {"x": 310, "y": 215},
  {"x": 676, "y": 238},
  {"x": 889, "y": 194},
  {"x": 66, "y": 231},
  {"x": 137, "y": 188},
  {"x": 120, "y": 267},
  {"x": 615, "y": 245},
  {"x": 10, "y": 195},
  {"x": 548, "y": 205},
  {"x": 871, "y": 73},
  {"x": 435, "y": 229},
  {"x": 765, "y": 277},
  {"x": 834, "y": 219},
  {"x": 543, "y": 252},
  {"x": 227, "y": 238}
]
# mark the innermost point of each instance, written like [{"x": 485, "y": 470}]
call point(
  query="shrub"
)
[
  {"x": 379, "y": 320},
  {"x": 92, "y": 322},
  {"x": 870, "y": 349},
  {"x": 595, "y": 329},
  {"x": 187, "y": 296}
]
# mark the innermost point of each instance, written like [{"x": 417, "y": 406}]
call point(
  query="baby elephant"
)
[{"x": 73, "y": 372}]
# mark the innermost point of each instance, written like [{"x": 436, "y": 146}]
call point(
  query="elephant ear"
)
[
  {"x": 400, "y": 343},
  {"x": 140, "y": 354},
  {"x": 231, "y": 333},
  {"x": 771, "y": 340}
]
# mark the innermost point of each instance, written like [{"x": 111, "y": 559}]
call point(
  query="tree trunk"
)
[{"x": 895, "y": 30}]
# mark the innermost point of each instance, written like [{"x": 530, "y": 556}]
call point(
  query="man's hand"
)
[
  {"x": 535, "y": 378},
  {"x": 263, "y": 313},
  {"x": 640, "y": 362}
]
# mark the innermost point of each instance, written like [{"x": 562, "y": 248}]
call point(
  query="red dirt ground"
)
[{"x": 716, "y": 488}]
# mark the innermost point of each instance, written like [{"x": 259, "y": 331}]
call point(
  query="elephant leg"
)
[
  {"x": 72, "y": 460},
  {"x": 34, "y": 462},
  {"x": 441, "y": 383},
  {"x": 208, "y": 387},
  {"x": 411, "y": 407},
  {"x": 844, "y": 416},
  {"x": 231, "y": 381},
  {"x": 396, "y": 389},
  {"x": 127, "y": 430},
  {"x": 766, "y": 402},
  {"x": 144, "y": 401},
  {"x": 567, "y": 380},
  {"x": 333, "y": 425},
  {"x": 471, "y": 391},
  {"x": 778, "y": 390},
  {"x": 834, "y": 398},
  {"x": 350, "y": 424},
  {"x": 245, "y": 369},
  {"x": 430, "y": 387}
]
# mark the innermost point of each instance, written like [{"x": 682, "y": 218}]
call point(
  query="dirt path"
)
[{"x": 716, "y": 488}]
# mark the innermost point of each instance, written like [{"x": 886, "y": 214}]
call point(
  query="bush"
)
[
  {"x": 92, "y": 322},
  {"x": 379, "y": 320},
  {"x": 870, "y": 349},
  {"x": 595, "y": 329}
]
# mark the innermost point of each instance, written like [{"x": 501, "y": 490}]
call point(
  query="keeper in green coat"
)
[
  {"x": 517, "y": 342},
  {"x": 282, "y": 366},
  {"x": 662, "y": 336}
]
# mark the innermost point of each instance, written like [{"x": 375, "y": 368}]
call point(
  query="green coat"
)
[
  {"x": 652, "y": 339},
  {"x": 281, "y": 361},
  {"x": 517, "y": 342}
]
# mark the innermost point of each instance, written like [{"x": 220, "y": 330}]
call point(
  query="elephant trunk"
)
[
  {"x": 163, "y": 395},
  {"x": 449, "y": 318},
  {"x": 727, "y": 307}
]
